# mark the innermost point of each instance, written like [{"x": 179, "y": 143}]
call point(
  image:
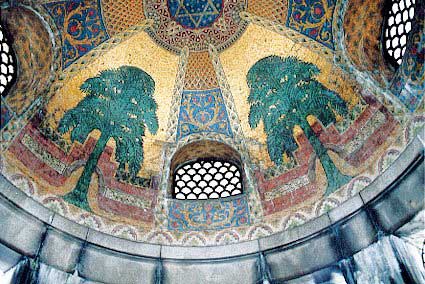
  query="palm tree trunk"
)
[
  {"x": 334, "y": 177},
  {"x": 78, "y": 196}
]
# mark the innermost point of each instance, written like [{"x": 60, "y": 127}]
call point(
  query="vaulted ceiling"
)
[{"x": 111, "y": 96}]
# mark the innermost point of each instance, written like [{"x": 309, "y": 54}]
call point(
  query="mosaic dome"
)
[
  {"x": 195, "y": 24},
  {"x": 125, "y": 114}
]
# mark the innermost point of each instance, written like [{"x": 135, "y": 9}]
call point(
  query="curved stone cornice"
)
[{"x": 28, "y": 228}]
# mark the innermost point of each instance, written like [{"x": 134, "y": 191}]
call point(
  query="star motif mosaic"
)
[
  {"x": 195, "y": 14},
  {"x": 195, "y": 24}
]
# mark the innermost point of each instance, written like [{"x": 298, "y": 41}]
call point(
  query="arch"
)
[
  {"x": 206, "y": 170},
  {"x": 32, "y": 44},
  {"x": 362, "y": 38}
]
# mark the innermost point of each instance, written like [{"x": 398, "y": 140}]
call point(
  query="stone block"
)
[
  {"x": 123, "y": 245},
  {"x": 403, "y": 202},
  {"x": 235, "y": 271},
  {"x": 414, "y": 150},
  {"x": 211, "y": 252},
  {"x": 61, "y": 250},
  {"x": 280, "y": 239},
  {"x": 106, "y": 266},
  {"x": 303, "y": 258},
  {"x": 20, "y": 231},
  {"x": 8, "y": 258},
  {"x": 356, "y": 233},
  {"x": 70, "y": 227},
  {"x": 345, "y": 209}
]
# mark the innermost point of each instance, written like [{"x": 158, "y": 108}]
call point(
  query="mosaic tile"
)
[
  {"x": 208, "y": 215},
  {"x": 6, "y": 114},
  {"x": 82, "y": 153},
  {"x": 203, "y": 111},
  {"x": 81, "y": 27},
  {"x": 195, "y": 24},
  {"x": 312, "y": 18},
  {"x": 195, "y": 14}
]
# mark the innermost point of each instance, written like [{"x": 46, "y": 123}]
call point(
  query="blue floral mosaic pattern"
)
[
  {"x": 195, "y": 14},
  {"x": 214, "y": 215},
  {"x": 81, "y": 27},
  {"x": 312, "y": 18},
  {"x": 203, "y": 111}
]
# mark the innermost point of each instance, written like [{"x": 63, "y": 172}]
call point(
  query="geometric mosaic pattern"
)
[
  {"x": 5, "y": 114},
  {"x": 273, "y": 10},
  {"x": 121, "y": 15},
  {"x": 8, "y": 65},
  {"x": 195, "y": 14},
  {"x": 397, "y": 28},
  {"x": 195, "y": 24},
  {"x": 207, "y": 179},
  {"x": 200, "y": 73}
]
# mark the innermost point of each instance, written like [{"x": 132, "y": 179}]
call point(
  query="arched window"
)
[
  {"x": 7, "y": 65},
  {"x": 397, "y": 25},
  {"x": 206, "y": 170}
]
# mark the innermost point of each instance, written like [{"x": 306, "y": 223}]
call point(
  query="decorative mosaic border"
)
[
  {"x": 15, "y": 124},
  {"x": 290, "y": 33},
  {"x": 162, "y": 235},
  {"x": 239, "y": 142},
  {"x": 383, "y": 94}
]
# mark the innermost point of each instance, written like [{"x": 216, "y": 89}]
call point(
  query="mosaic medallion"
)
[
  {"x": 195, "y": 23},
  {"x": 195, "y": 14}
]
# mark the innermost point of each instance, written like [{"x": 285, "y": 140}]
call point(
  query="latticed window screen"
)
[
  {"x": 207, "y": 179},
  {"x": 7, "y": 65},
  {"x": 398, "y": 24}
]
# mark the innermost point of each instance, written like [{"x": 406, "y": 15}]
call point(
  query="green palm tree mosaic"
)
[
  {"x": 120, "y": 105},
  {"x": 283, "y": 92}
]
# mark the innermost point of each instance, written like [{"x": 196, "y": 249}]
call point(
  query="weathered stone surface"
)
[
  {"x": 103, "y": 265},
  {"x": 123, "y": 245},
  {"x": 8, "y": 258},
  {"x": 304, "y": 258},
  {"x": 356, "y": 233},
  {"x": 294, "y": 234},
  {"x": 345, "y": 209},
  {"x": 61, "y": 250},
  {"x": 69, "y": 227},
  {"x": 241, "y": 270},
  {"x": 401, "y": 203},
  {"x": 238, "y": 249},
  {"x": 19, "y": 230},
  {"x": 394, "y": 172}
]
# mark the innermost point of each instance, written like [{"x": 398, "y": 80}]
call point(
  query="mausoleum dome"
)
[{"x": 208, "y": 130}]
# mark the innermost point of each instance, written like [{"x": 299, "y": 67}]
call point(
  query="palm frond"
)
[{"x": 255, "y": 115}]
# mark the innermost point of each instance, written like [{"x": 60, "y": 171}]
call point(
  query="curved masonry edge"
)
[{"x": 352, "y": 218}]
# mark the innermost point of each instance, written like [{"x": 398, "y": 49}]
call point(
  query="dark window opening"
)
[
  {"x": 7, "y": 63},
  {"x": 398, "y": 23},
  {"x": 206, "y": 170}
]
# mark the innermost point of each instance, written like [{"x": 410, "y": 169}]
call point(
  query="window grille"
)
[
  {"x": 7, "y": 65},
  {"x": 207, "y": 179},
  {"x": 398, "y": 24}
]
